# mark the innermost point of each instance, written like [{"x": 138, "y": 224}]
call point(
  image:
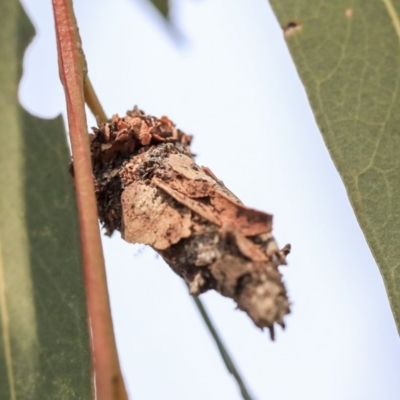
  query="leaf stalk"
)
[{"x": 228, "y": 361}]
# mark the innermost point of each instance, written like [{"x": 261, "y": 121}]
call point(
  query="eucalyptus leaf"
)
[
  {"x": 162, "y": 6},
  {"x": 347, "y": 53},
  {"x": 44, "y": 341}
]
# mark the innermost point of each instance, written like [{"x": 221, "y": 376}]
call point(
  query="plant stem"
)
[
  {"x": 109, "y": 384},
  {"x": 222, "y": 349},
  {"x": 93, "y": 102}
]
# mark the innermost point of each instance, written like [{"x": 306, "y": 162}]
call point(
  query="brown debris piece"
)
[
  {"x": 291, "y": 27},
  {"x": 160, "y": 229},
  {"x": 149, "y": 187},
  {"x": 349, "y": 12}
]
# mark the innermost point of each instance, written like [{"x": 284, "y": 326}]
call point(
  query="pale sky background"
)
[{"x": 231, "y": 83}]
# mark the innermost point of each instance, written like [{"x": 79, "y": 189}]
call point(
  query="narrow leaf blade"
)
[
  {"x": 44, "y": 343},
  {"x": 348, "y": 56}
]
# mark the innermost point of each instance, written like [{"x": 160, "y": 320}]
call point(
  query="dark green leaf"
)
[
  {"x": 162, "y": 6},
  {"x": 44, "y": 343},
  {"x": 347, "y": 53}
]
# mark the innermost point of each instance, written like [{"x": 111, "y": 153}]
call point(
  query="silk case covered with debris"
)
[{"x": 149, "y": 188}]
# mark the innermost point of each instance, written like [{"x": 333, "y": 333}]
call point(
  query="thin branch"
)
[
  {"x": 222, "y": 349},
  {"x": 109, "y": 384},
  {"x": 93, "y": 102}
]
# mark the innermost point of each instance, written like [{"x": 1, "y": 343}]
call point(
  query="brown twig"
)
[{"x": 108, "y": 378}]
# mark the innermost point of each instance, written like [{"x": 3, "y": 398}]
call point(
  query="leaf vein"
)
[{"x": 6, "y": 331}]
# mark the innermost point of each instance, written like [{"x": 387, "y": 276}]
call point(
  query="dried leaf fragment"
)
[
  {"x": 149, "y": 187},
  {"x": 160, "y": 229}
]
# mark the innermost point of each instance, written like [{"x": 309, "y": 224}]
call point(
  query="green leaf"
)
[
  {"x": 162, "y": 6},
  {"x": 44, "y": 341},
  {"x": 347, "y": 53}
]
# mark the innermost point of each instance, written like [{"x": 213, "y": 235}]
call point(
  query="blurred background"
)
[{"x": 222, "y": 72}]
